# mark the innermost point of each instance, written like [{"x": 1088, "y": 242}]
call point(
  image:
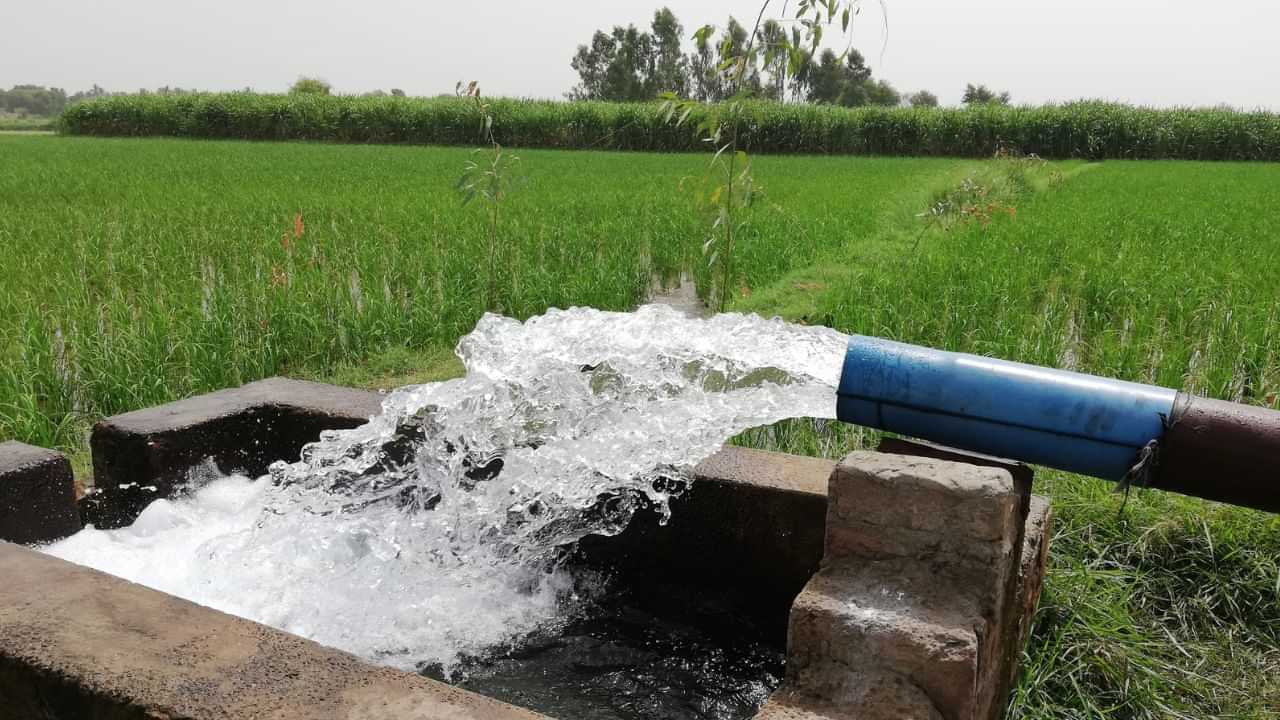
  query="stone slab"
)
[
  {"x": 147, "y": 454},
  {"x": 892, "y": 506},
  {"x": 78, "y": 643},
  {"x": 1022, "y": 473},
  {"x": 37, "y": 494}
]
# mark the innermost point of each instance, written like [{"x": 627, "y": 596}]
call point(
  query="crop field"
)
[
  {"x": 1088, "y": 129},
  {"x": 138, "y": 271}
]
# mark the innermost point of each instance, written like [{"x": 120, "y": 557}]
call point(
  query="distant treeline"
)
[
  {"x": 1093, "y": 130},
  {"x": 41, "y": 101}
]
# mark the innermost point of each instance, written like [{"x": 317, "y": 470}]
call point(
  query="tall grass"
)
[{"x": 1090, "y": 130}]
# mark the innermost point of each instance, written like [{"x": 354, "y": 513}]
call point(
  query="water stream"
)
[{"x": 436, "y": 533}]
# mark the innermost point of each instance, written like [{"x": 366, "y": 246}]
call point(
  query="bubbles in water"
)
[{"x": 436, "y": 530}]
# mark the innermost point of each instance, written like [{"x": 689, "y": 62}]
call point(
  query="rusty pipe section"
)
[
  {"x": 1221, "y": 451},
  {"x": 1121, "y": 431}
]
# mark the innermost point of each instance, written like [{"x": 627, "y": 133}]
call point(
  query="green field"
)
[
  {"x": 141, "y": 271},
  {"x": 137, "y": 271},
  {"x": 18, "y": 123}
]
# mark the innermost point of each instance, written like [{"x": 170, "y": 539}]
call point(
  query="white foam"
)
[{"x": 402, "y": 541}]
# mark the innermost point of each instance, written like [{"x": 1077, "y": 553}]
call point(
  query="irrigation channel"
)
[{"x": 435, "y": 537}]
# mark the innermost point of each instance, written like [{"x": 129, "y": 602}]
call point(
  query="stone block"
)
[
  {"x": 151, "y": 453},
  {"x": 874, "y": 616},
  {"x": 1035, "y": 544},
  {"x": 884, "y": 506},
  {"x": 917, "y": 597},
  {"x": 37, "y": 495}
]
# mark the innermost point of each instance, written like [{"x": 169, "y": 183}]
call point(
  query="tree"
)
[
  {"x": 33, "y": 100},
  {"x": 826, "y": 79},
  {"x": 847, "y": 83},
  {"x": 773, "y": 42},
  {"x": 627, "y": 64},
  {"x": 880, "y": 92},
  {"x": 706, "y": 83},
  {"x": 922, "y": 98},
  {"x": 800, "y": 66},
  {"x": 732, "y": 48},
  {"x": 982, "y": 95},
  {"x": 397, "y": 92},
  {"x": 310, "y": 86},
  {"x": 669, "y": 63},
  {"x": 616, "y": 66},
  {"x": 590, "y": 63}
]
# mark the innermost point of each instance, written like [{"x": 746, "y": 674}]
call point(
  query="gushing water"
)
[{"x": 436, "y": 531}]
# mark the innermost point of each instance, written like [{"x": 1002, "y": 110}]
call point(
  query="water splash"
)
[{"x": 435, "y": 531}]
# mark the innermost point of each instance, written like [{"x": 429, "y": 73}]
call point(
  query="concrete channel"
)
[{"x": 904, "y": 579}]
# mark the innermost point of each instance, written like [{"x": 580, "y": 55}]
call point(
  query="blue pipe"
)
[{"x": 1066, "y": 420}]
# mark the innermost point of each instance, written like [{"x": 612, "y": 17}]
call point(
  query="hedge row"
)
[{"x": 1093, "y": 130}]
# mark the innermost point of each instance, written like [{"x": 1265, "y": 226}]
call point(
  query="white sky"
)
[{"x": 1159, "y": 52}]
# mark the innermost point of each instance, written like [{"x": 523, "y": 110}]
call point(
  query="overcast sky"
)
[{"x": 1159, "y": 52}]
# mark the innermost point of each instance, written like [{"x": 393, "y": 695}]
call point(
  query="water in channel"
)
[{"x": 434, "y": 537}]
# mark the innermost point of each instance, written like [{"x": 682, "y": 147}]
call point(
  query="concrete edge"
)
[
  {"x": 75, "y": 642},
  {"x": 766, "y": 469},
  {"x": 37, "y": 494},
  {"x": 147, "y": 454},
  {"x": 302, "y": 395}
]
